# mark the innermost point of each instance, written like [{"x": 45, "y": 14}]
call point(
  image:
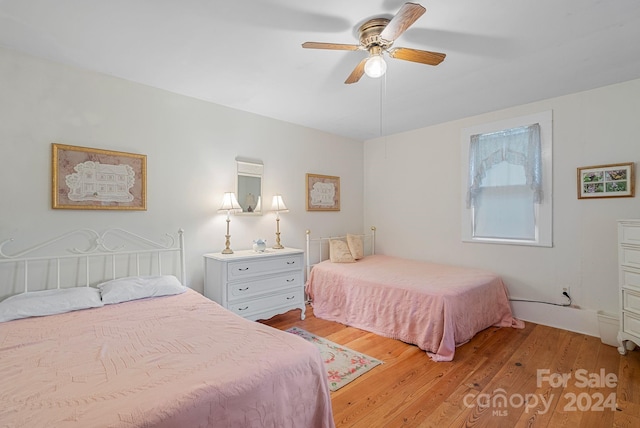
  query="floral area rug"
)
[{"x": 343, "y": 364}]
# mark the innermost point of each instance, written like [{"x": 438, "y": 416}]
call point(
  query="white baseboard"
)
[{"x": 583, "y": 321}]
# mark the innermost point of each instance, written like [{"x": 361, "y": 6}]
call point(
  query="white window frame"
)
[{"x": 544, "y": 223}]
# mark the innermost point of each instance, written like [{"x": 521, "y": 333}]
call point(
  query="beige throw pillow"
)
[
  {"x": 355, "y": 246},
  {"x": 339, "y": 252}
]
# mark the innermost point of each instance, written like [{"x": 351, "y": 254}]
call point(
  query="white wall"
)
[
  {"x": 412, "y": 195},
  {"x": 191, "y": 148}
]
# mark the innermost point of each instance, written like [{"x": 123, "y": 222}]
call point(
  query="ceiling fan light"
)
[{"x": 375, "y": 66}]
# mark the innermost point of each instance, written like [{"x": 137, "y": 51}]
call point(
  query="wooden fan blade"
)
[
  {"x": 407, "y": 15},
  {"x": 416, "y": 55},
  {"x": 332, "y": 46},
  {"x": 357, "y": 72}
]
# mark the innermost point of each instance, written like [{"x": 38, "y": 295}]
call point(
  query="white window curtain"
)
[{"x": 516, "y": 146}]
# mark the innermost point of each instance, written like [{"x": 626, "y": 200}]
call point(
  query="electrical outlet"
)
[{"x": 566, "y": 290}]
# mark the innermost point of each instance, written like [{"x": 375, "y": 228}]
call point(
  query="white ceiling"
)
[{"x": 247, "y": 54}]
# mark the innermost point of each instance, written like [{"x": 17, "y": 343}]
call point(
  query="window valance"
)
[{"x": 517, "y": 146}]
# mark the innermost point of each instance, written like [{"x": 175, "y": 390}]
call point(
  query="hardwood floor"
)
[{"x": 410, "y": 390}]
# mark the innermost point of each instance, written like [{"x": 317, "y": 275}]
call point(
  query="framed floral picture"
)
[
  {"x": 606, "y": 181},
  {"x": 95, "y": 179},
  {"x": 323, "y": 192}
]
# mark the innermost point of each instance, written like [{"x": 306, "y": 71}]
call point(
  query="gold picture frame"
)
[
  {"x": 323, "y": 192},
  {"x": 606, "y": 181},
  {"x": 85, "y": 178}
]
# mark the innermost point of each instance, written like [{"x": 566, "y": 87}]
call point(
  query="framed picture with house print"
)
[
  {"x": 606, "y": 181},
  {"x": 85, "y": 178},
  {"x": 323, "y": 192}
]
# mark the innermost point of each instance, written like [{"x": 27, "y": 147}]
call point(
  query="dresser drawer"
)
[
  {"x": 630, "y": 278},
  {"x": 247, "y": 268},
  {"x": 244, "y": 289},
  {"x": 630, "y": 234},
  {"x": 631, "y": 301},
  {"x": 288, "y": 298},
  {"x": 630, "y": 256},
  {"x": 631, "y": 324}
]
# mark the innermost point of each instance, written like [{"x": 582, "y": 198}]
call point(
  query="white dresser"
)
[
  {"x": 629, "y": 282},
  {"x": 256, "y": 285}
]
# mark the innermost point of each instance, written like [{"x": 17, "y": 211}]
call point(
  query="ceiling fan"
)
[{"x": 377, "y": 36}]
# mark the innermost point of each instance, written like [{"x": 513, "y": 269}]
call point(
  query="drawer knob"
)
[
  {"x": 291, "y": 263},
  {"x": 243, "y": 269},
  {"x": 291, "y": 280},
  {"x": 243, "y": 309},
  {"x": 243, "y": 289},
  {"x": 291, "y": 298}
]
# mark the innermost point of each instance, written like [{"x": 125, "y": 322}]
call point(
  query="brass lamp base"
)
[
  {"x": 278, "y": 245},
  {"x": 227, "y": 249}
]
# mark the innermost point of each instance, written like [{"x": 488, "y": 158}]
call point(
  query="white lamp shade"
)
[
  {"x": 278, "y": 204},
  {"x": 375, "y": 66},
  {"x": 229, "y": 203}
]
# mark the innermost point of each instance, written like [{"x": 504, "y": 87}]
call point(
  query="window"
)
[{"x": 507, "y": 181}]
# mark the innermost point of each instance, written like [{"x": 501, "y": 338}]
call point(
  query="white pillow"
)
[
  {"x": 49, "y": 302},
  {"x": 339, "y": 252},
  {"x": 139, "y": 287},
  {"x": 355, "y": 246}
]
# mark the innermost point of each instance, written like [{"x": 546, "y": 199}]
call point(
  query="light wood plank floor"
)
[{"x": 410, "y": 390}]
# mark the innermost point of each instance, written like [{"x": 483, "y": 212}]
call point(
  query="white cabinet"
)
[
  {"x": 629, "y": 282},
  {"x": 256, "y": 285}
]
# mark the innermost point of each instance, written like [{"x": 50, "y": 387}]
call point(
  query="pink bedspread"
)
[
  {"x": 436, "y": 307},
  {"x": 175, "y": 361}
]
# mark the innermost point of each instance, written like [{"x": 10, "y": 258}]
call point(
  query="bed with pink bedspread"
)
[
  {"x": 436, "y": 307},
  {"x": 173, "y": 361},
  {"x": 144, "y": 351}
]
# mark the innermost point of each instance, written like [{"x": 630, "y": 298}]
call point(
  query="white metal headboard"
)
[
  {"x": 112, "y": 251},
  {"x": 323, "y": 246}
]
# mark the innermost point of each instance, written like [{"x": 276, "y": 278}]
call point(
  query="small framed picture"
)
[
  {"x": 323, "y": 193},
  {"x": 95, "y": 179},
  {"x": 606, "y": 181}
]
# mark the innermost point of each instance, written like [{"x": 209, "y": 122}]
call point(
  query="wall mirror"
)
[{"x": 249, "y": 188}]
